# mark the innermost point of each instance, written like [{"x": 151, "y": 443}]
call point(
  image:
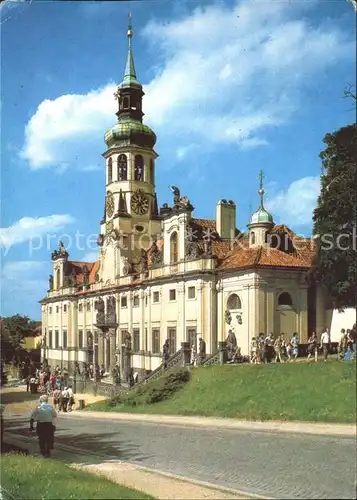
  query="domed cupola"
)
[
  {"x": 261, "y": 221},
  {"x": 130, "y": 128}
]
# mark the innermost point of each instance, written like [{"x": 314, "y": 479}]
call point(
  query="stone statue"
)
[
  {"x": 99, "y": 307},
  {"x": 177, "y": 196},
  {"x": 100, "y": 240},
  {"x": 127, "y": 341},
  {"x": 192, "y": 249},
  {"x": 85, "y": 275},
  {"x": 143, "y": 261},
  {"x": 201, "y": 350},
  {"x": 231, "y": 344},
  {"x": 50, "y": 282},
  {"x": 60, "y": 252},
  {"x": 127, "y": 266},
  {"x": 90, "y": 341},
  {"x": 228, "y": 317},
  {"x": 116, "y": 375},
  {"x": 156, "y": 254},
  {"x": 111, "y": 316},
  {"x": 208, "y": 248}
]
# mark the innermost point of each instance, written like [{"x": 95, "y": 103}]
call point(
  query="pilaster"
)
[
  {"x": 199, "y": 289},
  {"x": 74, "y": 325},
  {"x": 303, "y": 315},
  {"x": 181, "y": 317},
  {"x": 142, "y": 320},
  {"x": 149, "y": 340}
]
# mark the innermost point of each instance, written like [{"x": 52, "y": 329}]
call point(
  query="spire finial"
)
[
  {"x": 130, "y": 29},
  {"x": 261, "y": 189}
]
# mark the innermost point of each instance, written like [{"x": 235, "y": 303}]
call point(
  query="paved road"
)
[{"x": 272, "y": 464}]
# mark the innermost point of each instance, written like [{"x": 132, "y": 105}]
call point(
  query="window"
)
[
  {"x": 56, "y": 339},
  {"x": 64, "y": 308},
  {"x": 110, "y": 170},
  {"x": 234, "y": 302},
  {"x": 50, "y": 339},
  {"x": 252, "y": 237},
  {"x": 80, "y": 339},
  {"x": 152, "y": 172},
  {"x": 156, "y": 297},
  {"x": 50, "y": 310},
  {"x": 58, "y": 279},
  {"x": 126, "y": 102},
  {"x": 155, "y": 348},
  {"x": 80, "y": 308},
  {"x": 57, "y": 309},
  {"x": 88, "y": 306},
  {"x": 136, "y": 301},
  {"x": 146, "y": 340},
  {"x": 136, "y": 339},
  {"x": 171, "y": 335},
  {"x": 146, "y": 301},
  {"x": 124, "y": 301},
  {"x": 173, "y": 248},
  {"x": 122, "y": 164},
  {"x": 139, "y": 168},
  {"x": 191, "y": 292},
  {"x": 65, "y": 339},
  {"x": 191, "y": 335},
  {"x": 172, "y": 294},
  {"x": 285, "y": 299}
]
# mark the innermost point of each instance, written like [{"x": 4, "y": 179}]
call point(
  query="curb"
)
[
  {"x": 28, "y": 443},
  {"x": 342, "y": 430}
]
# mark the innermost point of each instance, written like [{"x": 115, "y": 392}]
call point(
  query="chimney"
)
[{"x": 226, "y": 219}]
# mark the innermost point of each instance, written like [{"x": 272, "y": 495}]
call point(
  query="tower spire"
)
[
  {"x": 130, "y": 73},
  {"x": 261, "y": 188}
]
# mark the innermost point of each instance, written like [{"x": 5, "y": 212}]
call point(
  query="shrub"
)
[{"x": 156, "y": 390}]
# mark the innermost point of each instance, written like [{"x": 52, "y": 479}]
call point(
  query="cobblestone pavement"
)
[{"x": 272, "y": 464}]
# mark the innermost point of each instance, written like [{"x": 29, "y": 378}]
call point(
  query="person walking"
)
[
  {"x": 44, "y": 415},
  {"x": 325, "y": 343},
  {"x": 312, "y": 346}
]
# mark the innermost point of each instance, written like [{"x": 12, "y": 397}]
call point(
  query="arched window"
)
[
  {"x": 152, "y": 172},
  {"x": 110, "y": 170},
  {"x": 285, "y": 299},
  {"x": 139, "y": 168},
  {"x": 252, "y": 238},
  {"x": 234, "y": 302},
  {"x": 173, "y": 248},
  {"x": 122, "y": 168},
  {"x": 58, "y": 279}
]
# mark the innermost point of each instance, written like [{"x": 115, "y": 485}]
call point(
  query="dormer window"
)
[{"x": 173, "y": 248}]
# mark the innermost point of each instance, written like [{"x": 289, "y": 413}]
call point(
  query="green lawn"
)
[
  {"x": 25, "y": 477},
  {"x": 320, "y": 392}
]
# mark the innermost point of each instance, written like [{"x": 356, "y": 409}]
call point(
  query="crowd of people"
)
[{"x": 267, "y": 348}]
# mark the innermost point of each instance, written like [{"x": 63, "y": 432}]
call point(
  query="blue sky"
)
[{"x": 231, "y": 87}]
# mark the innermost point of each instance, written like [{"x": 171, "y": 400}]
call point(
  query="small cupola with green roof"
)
[{"x": 261, "y": 221}]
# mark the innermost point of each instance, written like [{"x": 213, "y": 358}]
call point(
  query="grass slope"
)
[
  {"x": 29, "y": 477},
  {"x": 320, "y": 392}
]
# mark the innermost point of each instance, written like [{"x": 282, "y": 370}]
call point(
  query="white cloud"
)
[
  {"x": 29, "y": 228},
  {"x": 183, "y": 151},
  {"x": 226, "y": 75},
  {"x": 90, "y": 257},
  {"x": 295, "y": 205},
  {"x": 22, "y": 287}
]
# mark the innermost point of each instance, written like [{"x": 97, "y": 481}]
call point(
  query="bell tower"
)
[{"x": 131, "y": 218}]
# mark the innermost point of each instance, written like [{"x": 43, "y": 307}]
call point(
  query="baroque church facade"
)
[{"x": 165, "y": 274}]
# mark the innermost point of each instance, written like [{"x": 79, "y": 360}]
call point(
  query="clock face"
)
[
  {"x": 139, "y": 202},
  {"x": 109, "y": 204}
]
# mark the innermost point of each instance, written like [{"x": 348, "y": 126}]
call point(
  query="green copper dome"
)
[
  {"x": 128, "y": 129},
  {"x": 261, "y": 215}
]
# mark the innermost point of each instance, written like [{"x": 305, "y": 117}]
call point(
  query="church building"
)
[{"x": 164, "y": 273}]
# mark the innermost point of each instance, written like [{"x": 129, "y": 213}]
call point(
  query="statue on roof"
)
[
  {"x": 143, "y": 260},
  {"x": 61, "y": 252},
  {"x": 50, "y": 282},
  {"x": 156, "y": 254},
  {"x": 180, "y": 201},
  {"x": 99, "y": 307}
]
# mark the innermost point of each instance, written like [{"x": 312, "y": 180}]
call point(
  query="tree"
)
[
  {"x": 335, "y": 218},
  {"x": 12, "y": 332}
]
